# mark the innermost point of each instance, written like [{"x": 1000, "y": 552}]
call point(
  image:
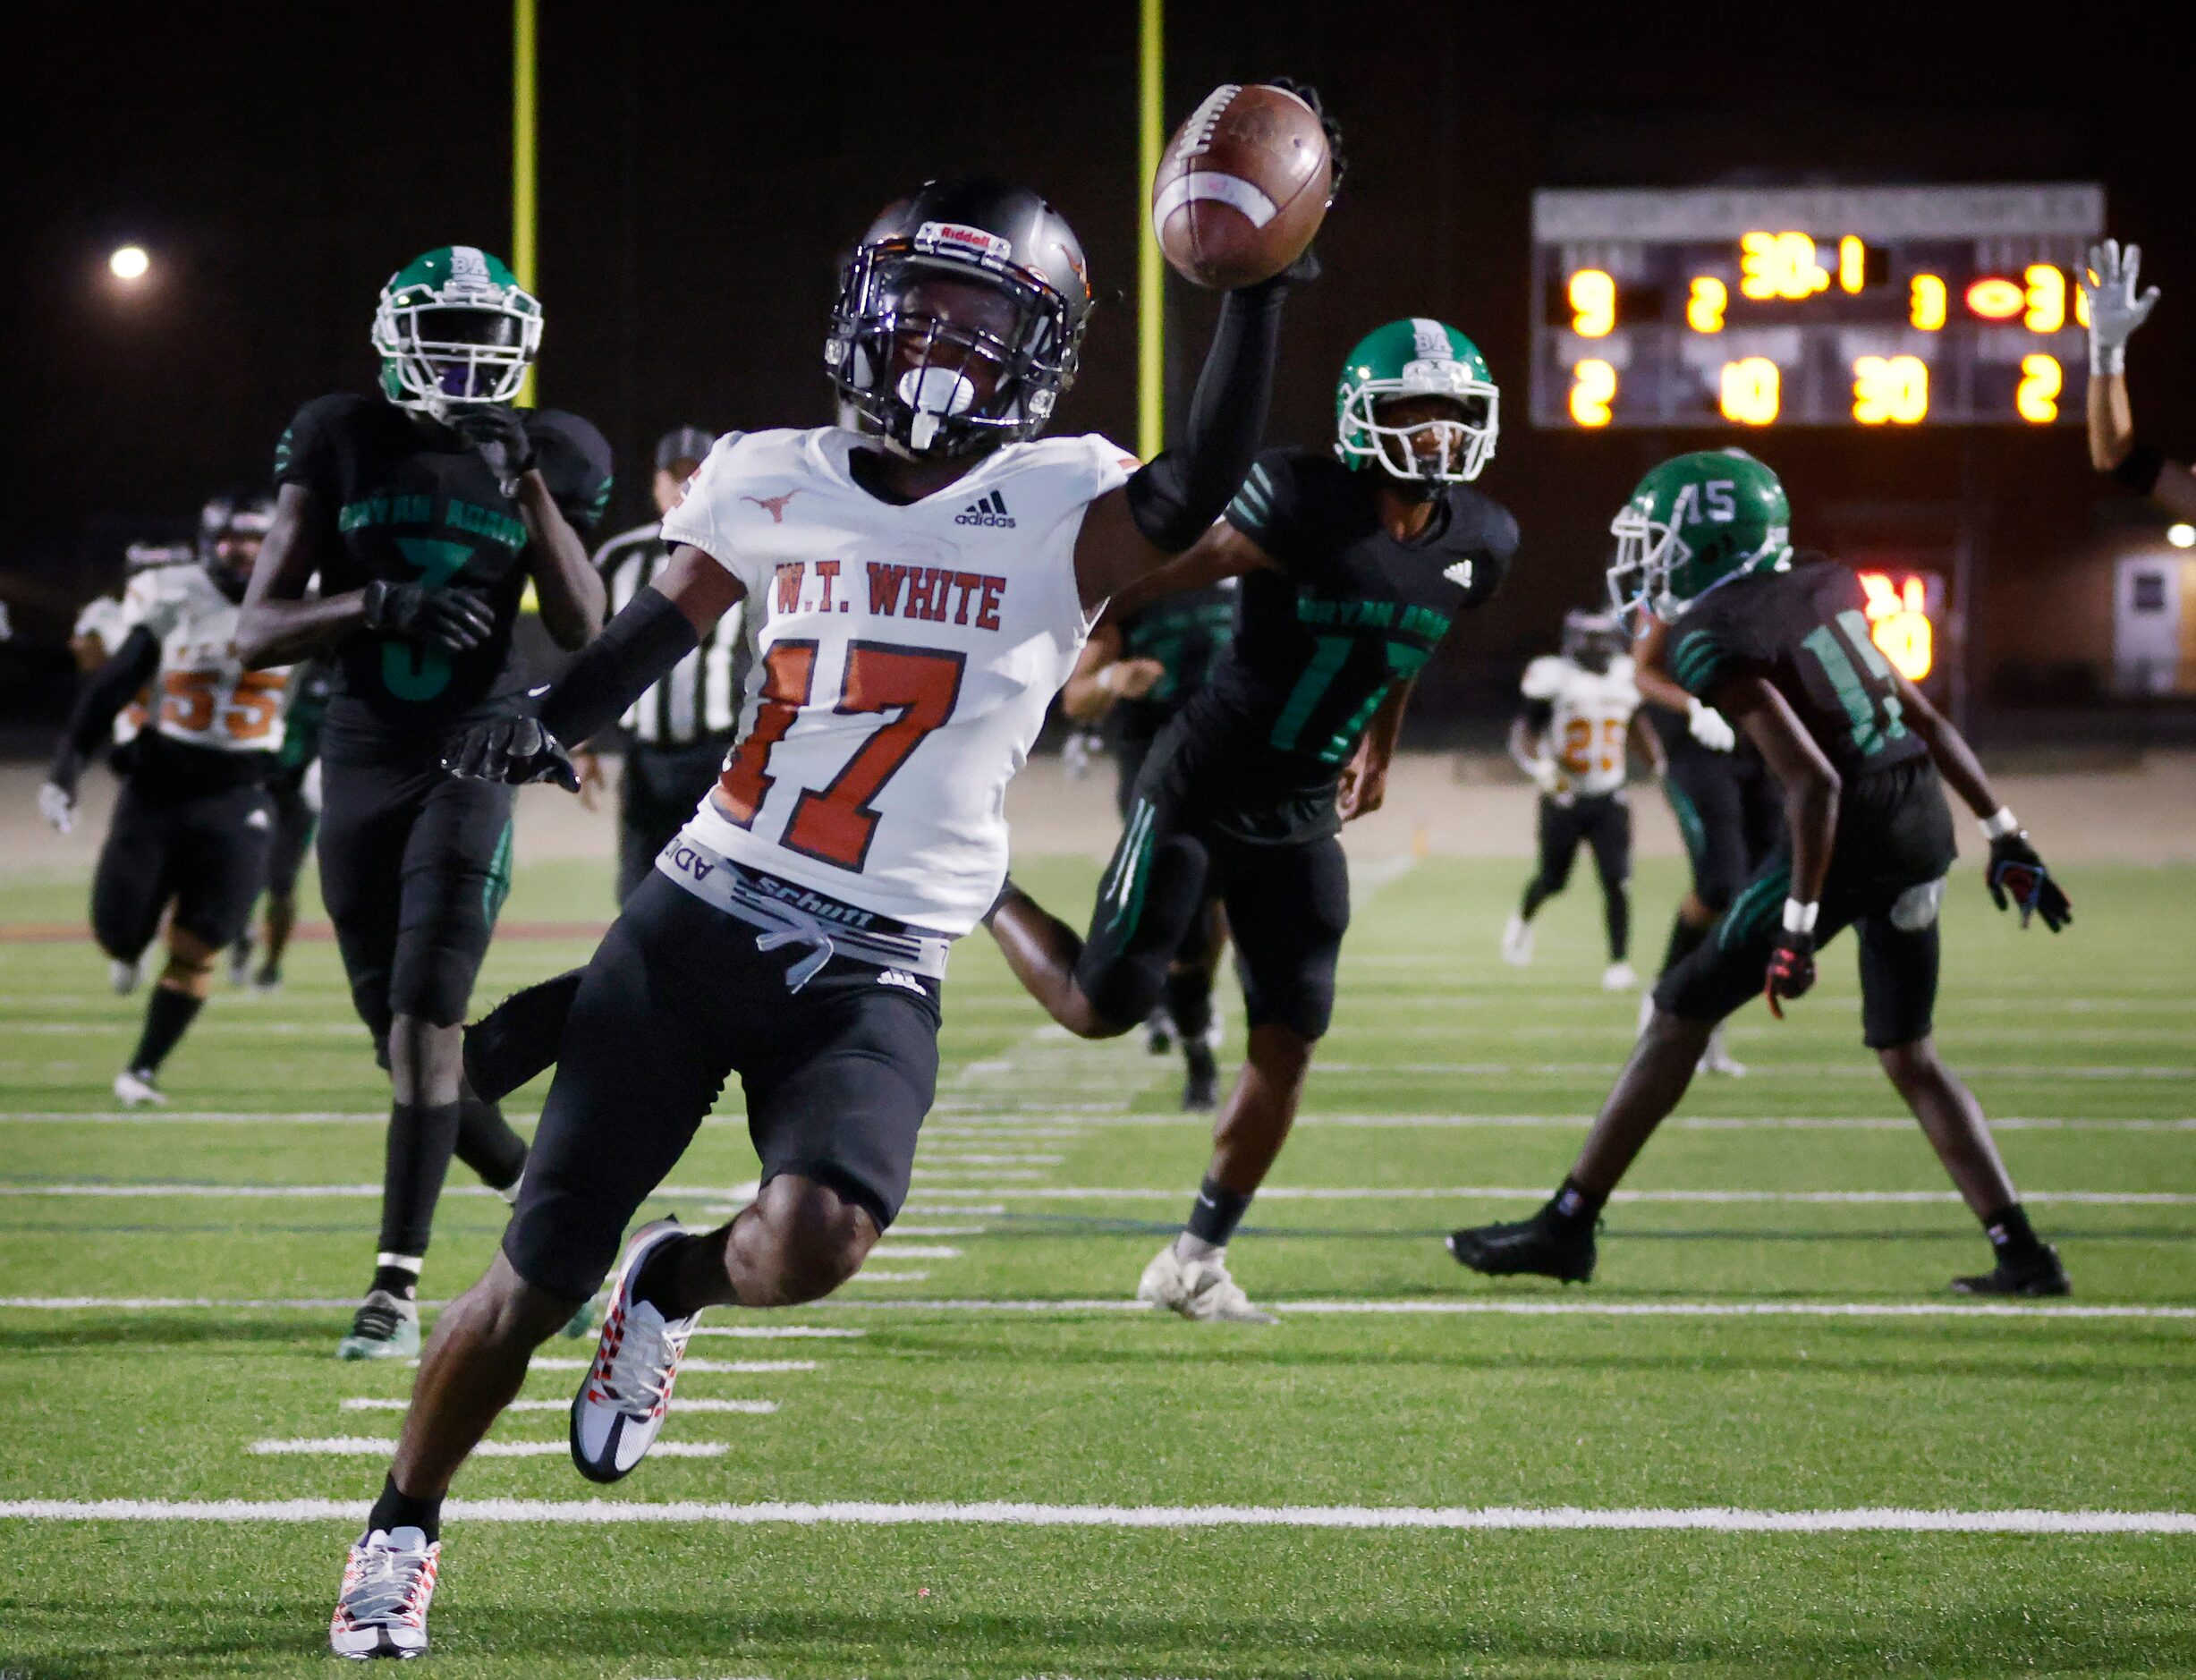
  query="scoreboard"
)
[{"x": 1741, "y": 310}]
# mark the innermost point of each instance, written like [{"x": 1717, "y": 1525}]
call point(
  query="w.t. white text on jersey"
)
[{"x": 904, "y": 659}]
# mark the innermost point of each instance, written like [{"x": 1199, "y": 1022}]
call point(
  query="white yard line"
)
[
  {"x": 868, "y": 1277},
  {"x": 778, "y": 1332},
  {"x": 1683, "y": 1123},
  {"x": 754, "y": 1408},
  {"x": 371, "y": 1446},
  {"x": 913, "y": 1251},
  {"x": 706, "y": 1367},
  {"x": 1857, "y": 1069},
  {"x": 1709, "y": 1519},
  {"x": 1539, "y": 1193},
  {"x": 1496, "y": 1307}
]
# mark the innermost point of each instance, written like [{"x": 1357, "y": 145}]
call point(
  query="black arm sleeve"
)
[
  {"x": 102, "y": 698},
  {"x": 1175, "y": 499},
  {"x": 637, "y": 649}
]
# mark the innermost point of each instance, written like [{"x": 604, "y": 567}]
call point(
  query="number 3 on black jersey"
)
[{"x": 835, "y": 824}]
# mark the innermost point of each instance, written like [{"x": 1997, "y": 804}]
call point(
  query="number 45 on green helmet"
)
[
  {"x": 454, "y": 330},
  {"x": 1383, "y": 414},
  {"x": 1695, "y": 522}
]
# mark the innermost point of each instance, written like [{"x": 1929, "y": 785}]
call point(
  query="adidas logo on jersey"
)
[
  {"x": 905, "y": 982},
  {"x": 987, "y": 510},
  {"x": 1460, "y": 574}
]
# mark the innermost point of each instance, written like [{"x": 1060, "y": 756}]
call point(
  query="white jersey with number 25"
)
[
  {"x": 904, "y": 659},
  {"x": 1586, "y": 737}
]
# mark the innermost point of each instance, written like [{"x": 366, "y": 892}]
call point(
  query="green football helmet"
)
[
  {"x": 1417, "y": 358},
  {"x": 1695, "y": 522},
  {"x": 455, "y": 329}
]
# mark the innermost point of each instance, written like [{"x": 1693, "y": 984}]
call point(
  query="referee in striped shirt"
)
[{"x": 678, "y": 733}]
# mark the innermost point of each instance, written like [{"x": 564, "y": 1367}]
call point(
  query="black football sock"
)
[
  {"x": 168, "y": 1013},
  {"x": 486, "y": 1144},
  {"x": 421, "y": 1138},
  {"x": 1189, "y": 1000},
  {"x": 1684, "y": 940},
  {"x": 397, "y": 1275},
  {"x": 397, "y": 1509},
  {"x": 1617, "y": 909},
  {"x": 2012, "y": 1237},
  {"x": 1216, "y": 1213},
  {"x": 1574, "y": 1202},
  {"x": 658, "y": 1281}
]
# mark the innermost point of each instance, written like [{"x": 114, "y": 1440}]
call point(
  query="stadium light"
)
[
  {"x": 2181, "y": 536},
  {"x": 129, "y": 262}
]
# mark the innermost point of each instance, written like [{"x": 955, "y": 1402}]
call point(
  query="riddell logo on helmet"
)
[
  {"x": 989, "y": 510},
  {"x": 956, "y": 239}
]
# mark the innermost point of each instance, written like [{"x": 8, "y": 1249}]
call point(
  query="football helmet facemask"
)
[
  {"x": 230, "y": 528},
  {"x": 455, "y": 329},
  {"x": 960, "y": 319},
  {"x": 1592, "y": 641},
  {"x": 1378, "y": 420},
  {"x": 1693, "y": 522}
]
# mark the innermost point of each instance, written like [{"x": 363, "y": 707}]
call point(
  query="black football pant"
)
[
  {"x": 1603, "y": 822},
  {"x": 205, "y": 853},
  {"x": 1731, "y": 815}
]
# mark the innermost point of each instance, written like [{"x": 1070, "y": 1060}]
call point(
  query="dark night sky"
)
[{"x": 703, "y": 166}]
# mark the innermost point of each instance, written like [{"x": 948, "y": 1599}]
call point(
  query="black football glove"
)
[
  {"x": 498, "y": 432},
  {"x": 511, "y": 750},
  {"x": 2018, "y": 876},
  {"x": 452, "y": 620},
  {"x": 1306, "y": 268},
  {"x": 1791, "y": 969}
]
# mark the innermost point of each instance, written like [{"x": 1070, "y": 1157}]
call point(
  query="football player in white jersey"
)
[
  {"x": 1581, "y": 710},
  {"x": 918, "y": 581},
  {"x": 193, "y": 826}
]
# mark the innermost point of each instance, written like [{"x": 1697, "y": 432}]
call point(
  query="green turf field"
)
[{"x": 1416, "y": 1472}]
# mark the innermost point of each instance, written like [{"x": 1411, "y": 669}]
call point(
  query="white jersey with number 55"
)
[
  {"x": 1592, "y": 711},
  {"x": 904, "y": 659},
  {"x": 202, "y": 694}
]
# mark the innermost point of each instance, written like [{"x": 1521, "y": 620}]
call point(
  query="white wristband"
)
[
  {"x": 1799, "y": 918},
  {"x": 1109, "y": 679},
  {"x": 2000, "y": 824}
]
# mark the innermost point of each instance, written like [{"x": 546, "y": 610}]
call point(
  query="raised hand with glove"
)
[
  {"x": 513, "y": 750},
  {"x": 2115, "y": 309},
  {"x": 498, "y": 433},
  {"x": 452, "y": 620},
  {"x": 1709, "y": 726}
]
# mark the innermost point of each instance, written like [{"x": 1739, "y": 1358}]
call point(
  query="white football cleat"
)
[
  {"x": 1717, "y": 1058},
  {"x": 123, "y": 977},
  {"x": 387, "y": 1585},
  {"x": 135, "y": 1089},
  {"x": 621, "y": 1404},
  {"x": 1517, "y": 942},
  {"x": 1618, "y": 977},
  {"x": 384, "y": 1327},
  {"x": 1198, "y": 1289}
]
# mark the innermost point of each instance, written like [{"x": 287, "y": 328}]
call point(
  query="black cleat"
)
[
  {"x": 519, "y": 1036},
  {"x": 1158, "y": 1031},
  {"x": 1200, "y": 1086},
  {"x": 1542, "y": 1246},
  {"x": 2040, "y": 1274}
]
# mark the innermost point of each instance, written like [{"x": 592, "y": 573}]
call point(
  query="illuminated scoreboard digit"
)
[{"x": 1740, "y": 310}]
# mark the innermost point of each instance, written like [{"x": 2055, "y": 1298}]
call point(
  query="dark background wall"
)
[{"x": 703, "y": 166}]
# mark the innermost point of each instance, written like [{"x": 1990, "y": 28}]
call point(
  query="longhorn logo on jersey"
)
[{"x": 774, "y": 506}]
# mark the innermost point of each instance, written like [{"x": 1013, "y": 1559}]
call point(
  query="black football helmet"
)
[
  {"x": 231, "y": 526},
  {"x": 934, "y": 368},
  {"x": 1592, "y": 641}
]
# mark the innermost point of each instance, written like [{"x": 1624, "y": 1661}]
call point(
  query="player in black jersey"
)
[
  {"x": 294, "y": 789},
  {"x": 190, "y": 831},
  {"x": 425, "y": 510},
  {"x": 1729, "y": 810},
  {"x": 1780, "y": 644},
  {"x": 1137, "y": 673},
  {"x": 1352, "y": 571}
]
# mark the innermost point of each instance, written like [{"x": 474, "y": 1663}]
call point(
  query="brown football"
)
[{"x": 1242, "y": 186}]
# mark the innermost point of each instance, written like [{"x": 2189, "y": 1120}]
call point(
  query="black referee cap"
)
[{"x": 682, "y": 443}]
